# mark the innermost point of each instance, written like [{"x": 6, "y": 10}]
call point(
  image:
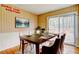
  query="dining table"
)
[{"x": 36, "y": 39}]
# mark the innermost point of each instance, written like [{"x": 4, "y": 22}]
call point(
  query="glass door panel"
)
[
  {"x": 53, "y": 25},
  {"x": 63, "y": 24},
  {"x": 69, "y": 28}
]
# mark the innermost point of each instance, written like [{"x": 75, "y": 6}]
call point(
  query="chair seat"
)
[{"x": 54, "y": 49}]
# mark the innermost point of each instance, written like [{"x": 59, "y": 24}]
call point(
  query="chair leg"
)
[
  {"x": 31, "y": 47},
  {"x": 62, "y": 49},
  {"x": 20, "y": 46},
  {"x": 59, "y": 51}
]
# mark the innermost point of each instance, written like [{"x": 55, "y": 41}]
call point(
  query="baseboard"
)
[
  {"x": 69, "y": 44},
  {"x": 12, "y": 50},
  {"x": 77, "y": 46}
]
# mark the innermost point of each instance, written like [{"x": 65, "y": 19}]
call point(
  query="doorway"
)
[{"x": 64, "y": 24}]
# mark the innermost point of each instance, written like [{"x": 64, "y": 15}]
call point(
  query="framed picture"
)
[{"x": 21, "y": 22}]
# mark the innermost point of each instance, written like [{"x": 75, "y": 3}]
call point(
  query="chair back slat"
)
[
  {"x": 56, "y": 46},
  {"x": 62, "y": 39},
  {"x": 62, "y": 43}
]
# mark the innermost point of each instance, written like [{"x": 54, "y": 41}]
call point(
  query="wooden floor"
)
[
  {"x": 67, "y": 50},
  {"x": 10, "y": 50}
]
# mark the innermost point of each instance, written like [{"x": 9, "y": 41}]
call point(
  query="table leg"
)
[
  {"x": 22, "y": 46},
  {"x": 37, "y": 48}
]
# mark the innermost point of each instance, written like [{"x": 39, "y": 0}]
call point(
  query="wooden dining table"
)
[{"x": 36, "y": 39}]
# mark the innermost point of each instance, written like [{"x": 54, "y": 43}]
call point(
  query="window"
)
[{"x": 63, "y": 24}]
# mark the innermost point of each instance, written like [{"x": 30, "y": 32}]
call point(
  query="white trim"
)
[
  {"x": 59, "y": 15},
  {"x": 76, "y": 32}
]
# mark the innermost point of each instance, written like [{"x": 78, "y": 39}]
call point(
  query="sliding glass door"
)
[
  {"x": 67, "y": 25},
  {"x": 53, "y": 25},
  {"x": 63, "y": 24}
]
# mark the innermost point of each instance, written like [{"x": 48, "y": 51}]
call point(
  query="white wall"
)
[{"x": 8, "y": 40}]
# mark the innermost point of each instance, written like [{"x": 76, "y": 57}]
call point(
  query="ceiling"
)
[{"x": 41, "y": 8}]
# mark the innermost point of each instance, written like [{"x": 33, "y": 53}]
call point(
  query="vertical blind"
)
[{"x": 63, "y": 24}]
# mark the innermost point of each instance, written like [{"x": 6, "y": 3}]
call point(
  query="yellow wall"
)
[
  {"x": 42, "y": 19},
  {"x": 7, "y": 19}
]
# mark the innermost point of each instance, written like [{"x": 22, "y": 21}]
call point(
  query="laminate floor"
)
[{"x": 68, "y": 49}]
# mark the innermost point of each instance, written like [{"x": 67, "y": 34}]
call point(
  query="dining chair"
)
[
  {"x": 49, "y": 42},
  {"x": 54, "y": 49},
  {"x": 25, "y": 42},
  {"x": 62, "y": 43}
]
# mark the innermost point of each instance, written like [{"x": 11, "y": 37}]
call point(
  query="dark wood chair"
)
[
  {"x": 25, "y": 43},
  {"x": 54, "y": 49},
  {"x": 62, "y": 43}
]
